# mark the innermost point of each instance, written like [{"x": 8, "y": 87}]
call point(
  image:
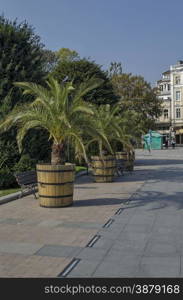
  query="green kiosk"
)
[{"x": 156, "y": 140}]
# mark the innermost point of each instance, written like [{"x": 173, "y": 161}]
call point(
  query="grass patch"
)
[
  {"x": 8, "y": 191},
  {"x": 80, "y": 168}
]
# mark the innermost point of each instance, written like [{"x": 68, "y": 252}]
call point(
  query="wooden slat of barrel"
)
[
  {"x": 122, "y": 155},
  {"x": 55, "y": 185},
  {"x": 103, "y": 169}
]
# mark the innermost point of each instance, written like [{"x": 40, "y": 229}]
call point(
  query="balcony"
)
[
  {"x": 166, "y": 78},
  {"x": 164, "y": 93},
  {"x": 163, "y": 121}
]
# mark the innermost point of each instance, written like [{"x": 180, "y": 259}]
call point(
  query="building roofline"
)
[{"x": 166, "y": 72}]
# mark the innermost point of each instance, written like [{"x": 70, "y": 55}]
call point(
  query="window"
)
[
  {"x": 165, "y": 113},
  {"x": 177, "y": 80},
  {"x": 177, "y": 95},
  {"x": 178, "y": 113},
  {"x": 161, "y": 87},
  {"x": 168, "y": 87}
]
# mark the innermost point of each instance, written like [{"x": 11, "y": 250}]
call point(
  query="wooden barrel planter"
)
[
  {"x": 126, "y": 159},
  {"x": 122, "y": 158},
  {"x": 122, "y": 155},
  {"x": 129, "y": 165},
  {"x": 132, "y": 155},
  {"x": 103, "y": 168},
  {"x": 55, "y": 185}
]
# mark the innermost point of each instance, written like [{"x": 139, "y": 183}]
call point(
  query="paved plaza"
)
[{"x": 132, "y": 227}]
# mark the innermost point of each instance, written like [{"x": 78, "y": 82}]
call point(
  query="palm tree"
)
[
  {"x": 105, "y": 130},
  {"x": 105, "y": 127},
  {"x": 57, "y": 108}
]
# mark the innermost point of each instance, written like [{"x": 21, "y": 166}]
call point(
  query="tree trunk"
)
[{"x": 57, "y": 154}]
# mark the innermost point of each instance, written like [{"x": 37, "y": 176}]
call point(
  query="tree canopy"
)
[
  {"x": 78, "y": 71},
  {"x": 138, "y": 96},
  {"x": 21, "y": 58},
  {"x": 66, "y": 54}
]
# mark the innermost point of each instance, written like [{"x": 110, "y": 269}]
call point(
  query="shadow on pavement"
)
[
  {"x": 85, "y": 187},
  {"x": 161, "y": 200},
  {"x": 98, "y": 202},
  {"x": 162, "y": 174},
  {"x": 158, "y": 162}
]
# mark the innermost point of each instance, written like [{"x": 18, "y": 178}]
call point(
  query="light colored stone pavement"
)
[
  {"x": 41, "y": 242},
  {"x": 142, "y": 236},
  {"x": 146, "y": 239}
]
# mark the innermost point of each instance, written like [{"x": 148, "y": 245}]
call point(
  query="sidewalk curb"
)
[
  {"x": 18, "y": 195},
  {"x": 13, "y": 196}
]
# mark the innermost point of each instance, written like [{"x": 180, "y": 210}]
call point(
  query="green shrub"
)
[
  {"x": 7, "y": 174},
  {"x": 25, "y": 164},
  {"x": 7, "y": 178}
]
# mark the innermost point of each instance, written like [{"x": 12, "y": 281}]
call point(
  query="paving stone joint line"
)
[{"x": 126, "y": 203}]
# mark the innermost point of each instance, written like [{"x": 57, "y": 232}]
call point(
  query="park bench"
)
[
  {"x": 119, "y": 167},
  {"x": 27, "y": 181}
]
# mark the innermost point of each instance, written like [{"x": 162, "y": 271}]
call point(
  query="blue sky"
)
[{"x": 146, "y": 36}]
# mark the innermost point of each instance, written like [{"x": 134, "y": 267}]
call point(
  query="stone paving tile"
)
[
  {"x": 10, "y": 260},
  {"x": 103, "y": 243},
  {"x": 118, "y": 228},
  {"x": 83, "y": 239},
  {"x": 118, "y": 256},
  {"x": 10, "y": 221},
  {"x": 138, "y": 228},
  {"x": 135, "y": 237},
  {"x": 50, "y": 223},
  {"x": 30, "y": 222},
  {"x": 19, "y": 248},
  {"x": 89, "y": 225},
  {"x": 117, "y": 269},
  {"x": 121, "y": 219},
  {"x": 162, "y": 249},
  {"x": 58, "y": 251},
  {"x": 93, "y": 254},
  {"x": 126, "y": 246},
  {"x": 110, "y": 233},
  {"x": 166, "y": 228},
  {"x": 159, "y": 266},
  {"x": 170, "y": 220},
  {"x": 33, "y": 266},
  {"x": 181, "y": 265},
  {"x": 85, "y": 268},
  {"x": 138, "y": 219},
  {"x": 171, "y": 239},
  {"x": 45, "y": 235}
]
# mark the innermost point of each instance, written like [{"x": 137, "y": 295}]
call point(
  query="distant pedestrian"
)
[
  {"x": 143, "y": 142},
  {"x": 166, "y": 142},
  {"x": 173, "y": 144},
  {"x": 148, "y": 141}
]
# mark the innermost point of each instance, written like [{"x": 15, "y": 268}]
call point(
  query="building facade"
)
[{"x": 170, "y": 86}]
